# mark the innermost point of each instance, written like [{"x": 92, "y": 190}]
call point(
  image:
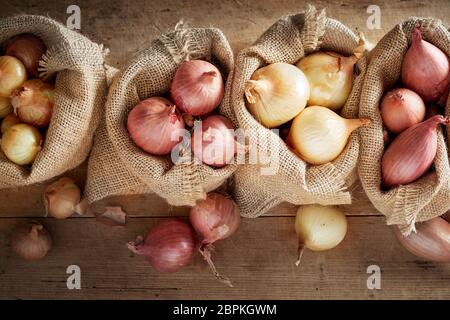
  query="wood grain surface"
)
[{"x": 260, "y": 257}]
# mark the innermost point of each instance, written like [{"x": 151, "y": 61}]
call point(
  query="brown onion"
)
[
  {"x": 33, "y": 102},
  {"x": 31, "y": 241},
  {"x": 215, "y": 218},
  {"x": 425, "y": 68},
  {"x": 197, "y": 87},
  {"x": 411, "y": 153},
  {"x": 9, "y": 121},
  {"x": 5, "y": 107},
  {"x": 21, "y": 143},
  {"x": 12, "y": 75},
  {"x": 154, "y": 125},
  {"x": 168, "y": 247},
  {"x": 61, "y": 198},
  {"x": 430, "y": 242},
  {"x": 27, "y": 48},
  {"x": 402, "y": 108}
]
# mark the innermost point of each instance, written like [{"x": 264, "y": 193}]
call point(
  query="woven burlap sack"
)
[
  {"x": 294, "y": 181},
  {"x": 429, "y": 196},
  {"x": 117, "y": 166},
  {"x": 80, "y": 91}
]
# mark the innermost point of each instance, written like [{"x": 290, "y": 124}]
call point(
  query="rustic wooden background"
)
[{"x": 260, "y": 257}]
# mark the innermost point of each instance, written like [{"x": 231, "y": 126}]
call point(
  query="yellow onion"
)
[
  {"x": 330, "y": 76},
  {"x": 12, "y": 75},
  {"x": 276, "y": 94},
  {"x": 31, "y": 241},
  {"x": 5, "y": 107},
  {"x": 61, "y": 198},
  {"x": 21, "y": 143},
  {"x": 319, "y": 228},
  {"x": 319, "y": 135},
  {"x": 9, "y": 121}
]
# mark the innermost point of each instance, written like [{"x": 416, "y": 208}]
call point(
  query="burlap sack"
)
[
  {"x": 288, "y": 40},
  {"x": 117, "y": 166},
  {"x": 80, "y": 93},
  {"x": 429, "y": 196}
]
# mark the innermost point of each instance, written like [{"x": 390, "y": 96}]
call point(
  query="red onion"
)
[
  {"x": 401, "y": 108},
  {"x": 27, "y": 48},
  {"x": 154, "y": 126},
  {"x": 213, "y": 141},
  {"x": 197, "y": 87},
  {"x": 31, "y": 241},
  {"x": 412, "y": 153},
  {"x": 215, "y": 218},
  {"x": 168, "y": 247},
  {"x": 425, "y": 68}
]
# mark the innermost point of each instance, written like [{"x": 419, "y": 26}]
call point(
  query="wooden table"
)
[{"x": 260, "y": 257}]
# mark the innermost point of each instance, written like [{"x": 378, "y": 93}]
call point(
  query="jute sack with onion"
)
[
  {"x": 285, "y": 176},
  {"x": 408, "y": 180},
  {"x": 80, "y": 90},
  {"x": 118, "y": 166}
]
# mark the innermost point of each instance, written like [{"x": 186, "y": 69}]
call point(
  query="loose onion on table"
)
[
  {"x": 276, "y": 93},
  {"x": 9, "y": 121},
  {"x": 411, "y": 153},
  {"x": 154, "y": 125},
  {"x": 31, "y": 241},
  {"x": 21, "y": 143},
  {"x": 319, "y": 228},
  {"x": 402, "y": 108},
  {"x": 215, "y": 218},
  {"x": 197, "y": 87},
  {"x": 5, "y": 107},
  {"x": 61, "y": 198},
  {"x": 12, "y": 75},
  {"x": 426, "y": 69},
  {"x": 33, "y": 102},
  {"x": 168, "y": 246},
  {"x": 319, "y": 135}
]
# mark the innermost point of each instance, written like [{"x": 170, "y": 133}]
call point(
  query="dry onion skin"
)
[
  {"x": 21, "y": 143},
  {"x": 12, "y": 75}
]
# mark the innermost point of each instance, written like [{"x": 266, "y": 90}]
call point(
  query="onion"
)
[
  {"x": 61, "y": 198},
  {"x": 9, "y": 121},
  {"x": 319, "y": 135},
  {"x": 12, "y": 75},
  {"x": 430, "y": 242},
  {"x": 330, "y": 76},
  {"x": 27, "y": 48},
  {"x": 425, "y": 68},
  {"x": 168, "y": 247},
  {"x": 213, "y": 141},
  {"x": 215, "y": 218},
  {"x": 319, "y": 228},
  {"x": 197, "y": 87},
  {"x": 411, "y": 153},
  {"x": 33, "y": 102},
  {"x": 154, "y": 126},
  {"x": 5, "y": 107},
  {"x": 276, "y": 94},
  {"x": 402, "y": 108},
  {"x": 21, "y": 143},
  {"x": 31, "y": 241}
]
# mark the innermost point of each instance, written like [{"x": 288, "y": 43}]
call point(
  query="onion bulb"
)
[
  {"x": 12, "y": 75},
  {"x": 5, "y": 107},
  {"x": 154, "y": 125},
  {"x": 197, "y": 87},
  {"x": 21, "y": 143},
  {"x": 330, "y": 76},
  {"x": 319, "y": 228},
  {"x": 61, "y": 198},
  {"x": 402, "y": 108},
  {"x": 425, "y": 68},
  {"x": 9, "y": 121},
  {"x": 33, "y": 102},
  {"x": 31, "y": 241},
  {"x": 168, "y": 247},
  {"x": 213, "y": 141},
  {"x": 411, "y": 153},
  {"x": 431, "y": 241},
  {"x": 215, "y": 218},
  {"x": 276, "y": 93},
  {"x": 27, "y": 48},
  {"x": 319, "y": 135}
]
